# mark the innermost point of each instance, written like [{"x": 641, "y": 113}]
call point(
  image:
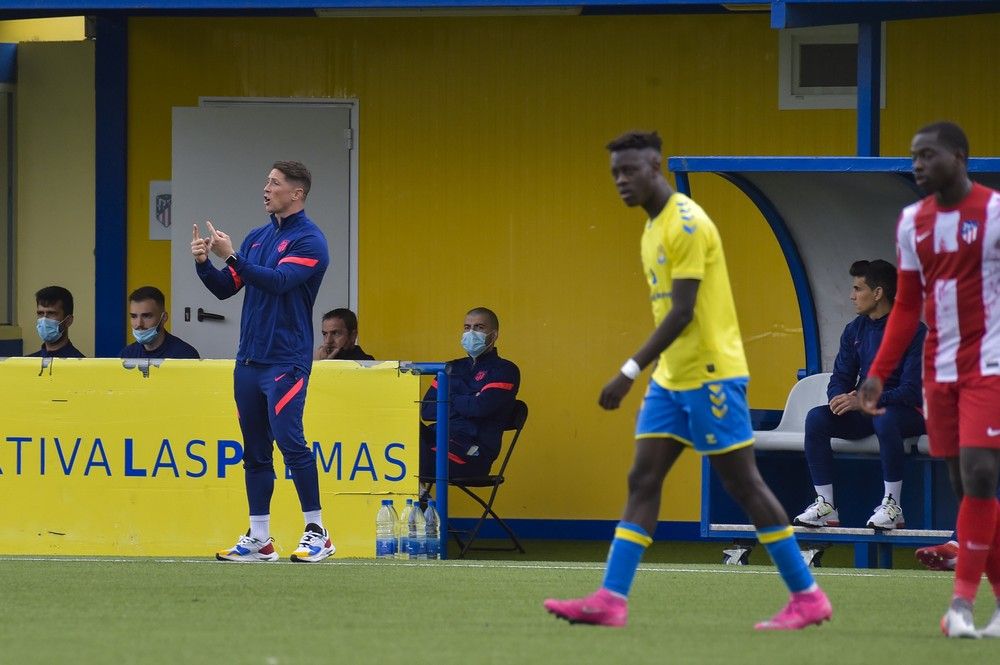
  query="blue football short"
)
[{"x": 711, "y": 419}]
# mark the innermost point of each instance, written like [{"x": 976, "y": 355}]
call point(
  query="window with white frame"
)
[{"x": 818, "y": 67}]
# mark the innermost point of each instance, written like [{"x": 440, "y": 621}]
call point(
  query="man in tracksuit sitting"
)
[
  {"x": 873, "y": 293},
  {"x": 483, "y": 388}
]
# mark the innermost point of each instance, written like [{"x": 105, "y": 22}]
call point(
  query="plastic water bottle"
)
[
  {"x": 433, "y": 529},
  {"x": 417, "y": 543},
  {"x": 385, "y": 531},
  {"x": 403, "y": 531}
]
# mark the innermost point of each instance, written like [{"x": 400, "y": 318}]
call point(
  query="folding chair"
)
[{"x": 518, "y": 416}]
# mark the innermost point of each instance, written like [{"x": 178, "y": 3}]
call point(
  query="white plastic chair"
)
[{"x": 808, "y": 393}]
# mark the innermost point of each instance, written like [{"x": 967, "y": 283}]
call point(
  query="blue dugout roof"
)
[
  {"x": 825, "y": 213},
  {"x": 784, "y": 13}
]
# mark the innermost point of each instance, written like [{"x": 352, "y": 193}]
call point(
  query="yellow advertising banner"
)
[{"x": 101, "y": 458}]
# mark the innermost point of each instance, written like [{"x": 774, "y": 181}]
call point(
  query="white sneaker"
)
[
  {"x": 819, "y": 513},
  {"x": 249, "y": 549},
  {"x": 887, "y": 516},
  {"x": 993, "y": 627},
  {"x": 957, "y": 622},
  {"x": 314, "y": 546}
]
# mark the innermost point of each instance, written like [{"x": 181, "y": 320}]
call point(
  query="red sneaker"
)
[
  {"x": 804, "y": 609},
  {"x": 939, "y": 557},
  {"x": 601, "y": 608}
]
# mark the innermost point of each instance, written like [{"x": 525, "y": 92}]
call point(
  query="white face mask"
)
[{"x": 474, "y": 342}]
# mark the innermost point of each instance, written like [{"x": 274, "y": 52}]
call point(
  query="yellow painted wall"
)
[
  {"x": 63, "y": 29},
  {"x": 924, "y": 86},
  {"x": 481, "y": 140},
  {"x": 55, "y": 181}
]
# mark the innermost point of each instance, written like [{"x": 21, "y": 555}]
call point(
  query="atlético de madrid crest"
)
[
  {"x": 970, "y": 231},
  {"x": 480, "y": 375},
  {"x": 282, "y": 246}
]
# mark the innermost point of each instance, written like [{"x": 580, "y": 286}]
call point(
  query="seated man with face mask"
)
[
  {"x": 483, "y": 390},
  {"x": 148, "y": 315},
  {"x": 55, "y": 316}
]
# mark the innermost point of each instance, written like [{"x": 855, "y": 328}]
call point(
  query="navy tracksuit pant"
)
[
  {"x": 270, "y": 400},
  {"x": 896, "y": 424}
]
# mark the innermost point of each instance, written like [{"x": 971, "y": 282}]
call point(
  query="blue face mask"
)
[
  {"x": 474, "y": 342},
  {"x": 48, "y": 329},
  {"x": 146, "y": 336}
]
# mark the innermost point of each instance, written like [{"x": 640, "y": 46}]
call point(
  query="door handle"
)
[{"x": 209, "y": 316}]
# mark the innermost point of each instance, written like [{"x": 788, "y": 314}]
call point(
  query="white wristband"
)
[{"x": 631, "y": 369}]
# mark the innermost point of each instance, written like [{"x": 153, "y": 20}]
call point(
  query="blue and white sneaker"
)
[
  {"x": 314, "y": 546},
  {"x": 249, "y": 549}
]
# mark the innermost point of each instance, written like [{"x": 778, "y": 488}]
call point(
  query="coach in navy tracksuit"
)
[
  {"x": 483, "y": 388},
  {"x": 281, "y": 264}
]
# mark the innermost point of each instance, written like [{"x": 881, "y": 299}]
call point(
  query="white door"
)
[{"x": 221, "y": 158}]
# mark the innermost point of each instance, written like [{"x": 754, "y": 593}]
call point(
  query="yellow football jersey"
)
[{"x": 683, "y": 243}]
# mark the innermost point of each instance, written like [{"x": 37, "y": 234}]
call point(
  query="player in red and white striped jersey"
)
[{"x": 949, "y": 261}]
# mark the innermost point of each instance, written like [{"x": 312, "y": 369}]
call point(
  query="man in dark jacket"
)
[
  {"x": 483, "y": 390},
  {"x": 873, "y": 293},
  {"x": 340, "y": 337},
  {"x": 55, "y": 316},
  {"x": 148, "y": 316}
]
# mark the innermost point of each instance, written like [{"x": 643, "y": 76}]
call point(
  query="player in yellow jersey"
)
[{"x": 695, "y": 399}]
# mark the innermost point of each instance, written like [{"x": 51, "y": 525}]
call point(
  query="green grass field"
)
[{"x": 481, "y": 611}]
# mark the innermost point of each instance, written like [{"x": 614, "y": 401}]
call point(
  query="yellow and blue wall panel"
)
[{"x": 99, "y": 458}]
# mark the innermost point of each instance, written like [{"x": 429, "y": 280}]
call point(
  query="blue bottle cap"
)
[
  {"x": 386, "y": 502},
  {"x": 432, "y": 502}
]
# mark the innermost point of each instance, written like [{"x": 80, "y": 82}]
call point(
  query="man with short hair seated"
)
[
  {"x": 873, "y": 292},
  {"x": 340, "y": 337},
  {"x": 483, "y": 389},
  {"x": 54, "y": 306},
  {"x": 148, "y": 315}
]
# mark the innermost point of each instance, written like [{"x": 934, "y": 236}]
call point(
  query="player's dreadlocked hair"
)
[
  {"x": 635, "y": 140},
  {"x": 950, "y": 134}
]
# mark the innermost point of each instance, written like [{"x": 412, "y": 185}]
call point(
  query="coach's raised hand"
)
[
  {"x": 200, "y": 246},
  {"x": 221, "y": 244}
]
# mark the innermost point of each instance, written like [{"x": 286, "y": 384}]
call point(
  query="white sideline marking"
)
[{"x": 540, "y": 565}]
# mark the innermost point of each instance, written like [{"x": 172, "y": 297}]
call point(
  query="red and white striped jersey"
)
[{"x": 956, "y": 252}]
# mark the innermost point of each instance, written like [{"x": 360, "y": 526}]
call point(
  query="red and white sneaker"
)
[
  {"x": 601, "y": 608},
  {"x": 803, "y": 609},
  {"x": 248, "y": 550},
  {"x": 957, "y": 622},
  {"x": 939, "y": 557},
  {"x": 314, "y": 546}
]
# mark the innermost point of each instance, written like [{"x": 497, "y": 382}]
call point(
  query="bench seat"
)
[{"x": 789, "y": 435}]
